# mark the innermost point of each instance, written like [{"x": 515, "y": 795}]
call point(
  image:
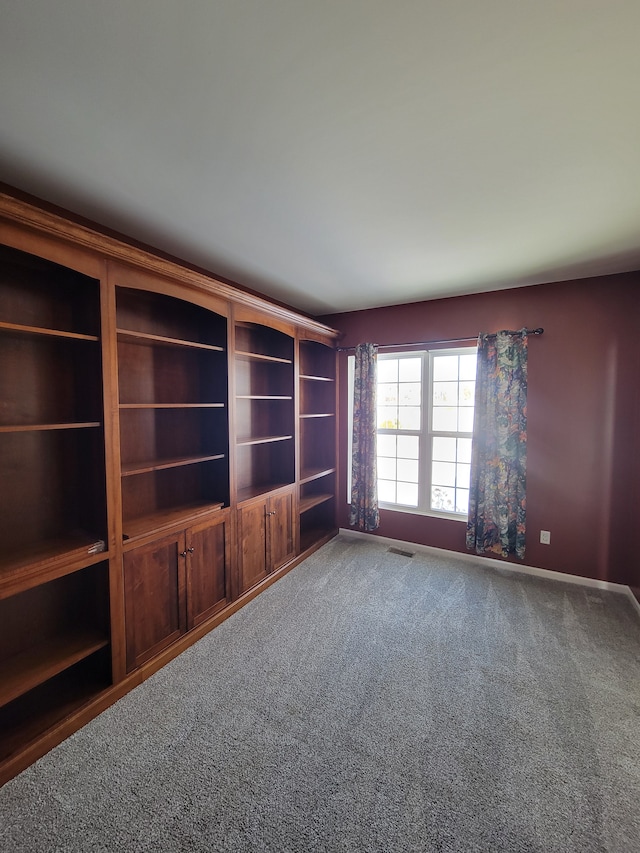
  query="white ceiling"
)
[{"x": 337, "y": 154}]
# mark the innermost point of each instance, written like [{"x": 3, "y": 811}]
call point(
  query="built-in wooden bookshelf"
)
[
  {"x": 167, "y": 450},
  {"x": 317, "y": 424},
  {"x": 47, "y": 633},
  {"x": 172, "y": 380},
  {"x": 51, "y": 437},
  {"x": 264, "y": 409}
]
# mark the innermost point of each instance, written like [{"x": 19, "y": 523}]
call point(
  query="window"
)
[
  {"x": 425, "y": 423},
  {"x": 452, "y": 394}
]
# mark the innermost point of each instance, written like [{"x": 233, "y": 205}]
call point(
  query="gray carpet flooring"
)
[{"x": 366, "y": 702}]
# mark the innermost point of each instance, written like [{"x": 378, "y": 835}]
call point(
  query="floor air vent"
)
[{"x": 400, "y": 552}]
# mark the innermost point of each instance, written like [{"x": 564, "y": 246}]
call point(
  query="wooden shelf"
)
[
  {"x": 53, "y": 333},
  {"x": 317, "y": 470},
  {"x": 257, "y": 356},
  {"x": 70, "y": 696},
  {"x": 174, "y": 436},
  {"x": 47, "y": 427},
  {"x": 315, "y": 536},
  {"x": 309, "y": 501},
  {"x": 46, "y": 560},
  {"x": 317, "y": 388},
  {"x": 263, "y": 397},
  {"x": 265, "y": 409},
  {"x": 27, "y": 670},
  {"x": 268, "y": 439},
  {"x": 257, "y": 490},
  {"x": 309, "y": 475},
  {"x": 144, "y": 337},
  {"x": 133, "y": 468},
  {"x": 317, "y": 378},
  {"x": 318, "y": 415},
  {"x": 172, "y": 405},
  {"x": 134, "y": 528}
]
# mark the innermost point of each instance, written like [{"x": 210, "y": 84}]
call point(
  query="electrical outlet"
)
[{"x": 545, "y": 537}]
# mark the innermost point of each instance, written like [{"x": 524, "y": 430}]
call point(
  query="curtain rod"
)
[{"x": 449, "y": 340}]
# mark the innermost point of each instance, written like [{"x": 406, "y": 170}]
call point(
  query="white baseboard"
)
[{"x": 619, "y": 588}]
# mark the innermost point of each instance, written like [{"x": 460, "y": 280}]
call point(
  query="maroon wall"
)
[{"x": 583, "y": 468}]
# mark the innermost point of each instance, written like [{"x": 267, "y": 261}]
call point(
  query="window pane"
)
[
  {"x": 465, "y": 421},
  {"x": 443, "y": 499},
  {"x": 443, "y": 474},
  {"x": 445, "y": 393},
  {"x": 463, "y": 474},
  {"x": 386, "y": 445},
  {"x": 387, "y": 370},
  {"x": 409, "y": 394},
  {"x": 466, "y": 393},
  {"x": 386, "y": 468},
  {"x": 387, "y": 417},
  {"x": 462, "y": 500},
  {"x": 408, "y": 494},
  {"x": 410, "y": 369},
  {"x": 445, "y": 419},
  {"x": 468, "y": 366},
  {"x": 387, "y": 394},
  {"x": 401, "y": 403},
  {"x": 444, "y": 449},
  {"x": 464, "y": 449},
  {"x": 409, "y": 417},
  {"x": 387, "y": 491},
  {"x": 408, "y": 470},
  {"x": 408, "y": 446},
  {"x": 445, "y": 367}
]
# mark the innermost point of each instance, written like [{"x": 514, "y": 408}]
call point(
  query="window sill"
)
[{"x": 449, "y": 516}]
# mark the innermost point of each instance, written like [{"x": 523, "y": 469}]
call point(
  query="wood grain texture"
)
[
  {"x": 155, "y": 612},
  {"x": 208, "y": 569},
  {"x": 127, "y": 384},
  {"x": 252, "y": 544}
]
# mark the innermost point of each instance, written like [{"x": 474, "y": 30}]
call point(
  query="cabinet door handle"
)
[
  {"x": 183, "y": 553},
  {"x": 191, "y": 550}
]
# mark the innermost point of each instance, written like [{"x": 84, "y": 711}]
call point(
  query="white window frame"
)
[{"x": 425, "y": 434}]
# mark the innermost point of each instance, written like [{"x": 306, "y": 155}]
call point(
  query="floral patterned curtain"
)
[
  {"x": 497, "y": 502},
  {"x": 364, "y": 475}
]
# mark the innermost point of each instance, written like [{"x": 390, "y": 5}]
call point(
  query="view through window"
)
[{"x": 425, "y": 423}]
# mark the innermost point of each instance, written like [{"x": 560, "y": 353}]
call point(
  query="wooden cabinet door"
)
[
  {"x": 154, "y": 581},
  {"x": 252, "y": 540},
  {"x": 208, "y": 570},
  {"x": 281, "y": 543}
]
